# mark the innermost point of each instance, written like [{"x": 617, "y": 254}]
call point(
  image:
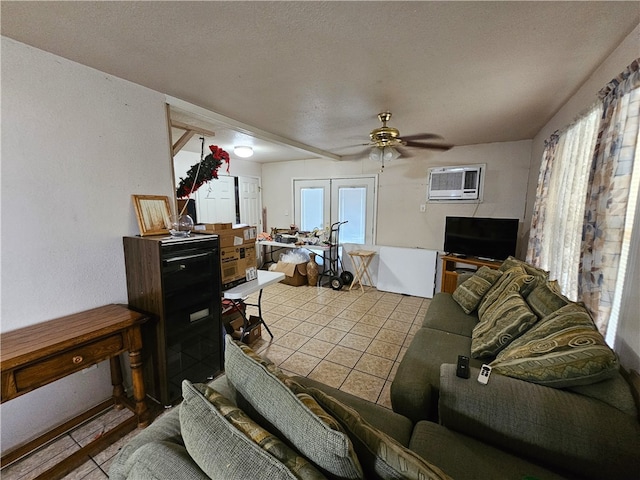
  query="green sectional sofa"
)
[
  {"x": 556, "y": 395},
  {"x": 250, "y": 424},
  {"x": 560, "y": 422}
]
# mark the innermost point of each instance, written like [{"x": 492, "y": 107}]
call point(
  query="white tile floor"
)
[{"x": 350, "y": 340}]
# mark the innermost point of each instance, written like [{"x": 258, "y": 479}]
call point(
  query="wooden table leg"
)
[
  {"x": 366, "y": 268},
  {"x": 135, "y": 360},
  {"x": 116, "y": 381}
]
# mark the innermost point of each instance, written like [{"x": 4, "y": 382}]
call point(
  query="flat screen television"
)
[{"x": 486, "y": 238}]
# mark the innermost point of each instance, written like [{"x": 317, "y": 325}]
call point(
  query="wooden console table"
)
[
  {"x": 39, "y": 354},
  {"x": 449, "y": 274}
]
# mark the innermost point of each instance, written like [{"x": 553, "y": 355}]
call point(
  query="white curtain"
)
[{"x": 565, "y": 202}]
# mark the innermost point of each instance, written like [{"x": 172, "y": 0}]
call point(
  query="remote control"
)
[
  {"x": 462, "y": 370},
  {"x": 485, "y": 371}
]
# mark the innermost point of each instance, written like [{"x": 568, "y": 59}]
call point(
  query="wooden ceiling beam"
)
[{"x": 190, "y": 131}]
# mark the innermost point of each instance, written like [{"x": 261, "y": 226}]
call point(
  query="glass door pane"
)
[
  {"x": 311, "y": 208},
  {"x": 353, "y": 200},
  {"x": 312, "y": 204},
  {"x": 352, "y": 205}
]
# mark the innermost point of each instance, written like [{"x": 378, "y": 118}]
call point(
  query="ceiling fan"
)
[
  {"x": 386, "y": 143},
  {"x": 390, "y": 137}
]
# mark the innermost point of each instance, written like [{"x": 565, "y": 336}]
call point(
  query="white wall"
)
[
  {"x": 628, "y": 338},
  {"x": 76, "y": 143},
  {"x": 403, "y": 187}
]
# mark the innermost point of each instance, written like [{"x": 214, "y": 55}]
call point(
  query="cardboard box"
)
[
  {"x": 238, "y": 264},
  {"x": 235, "y": 237},
  {"x": 212, "y": 227},
  {"x": 228, "y": 236},
  {"x": 253, "y": 332},
  {"x": 295, "y": 273}
]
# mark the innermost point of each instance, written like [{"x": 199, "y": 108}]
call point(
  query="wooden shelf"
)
[{"x": 450, "y": 264}]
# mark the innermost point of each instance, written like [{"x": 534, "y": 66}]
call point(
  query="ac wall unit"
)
[{"x": 456, "y": 183}]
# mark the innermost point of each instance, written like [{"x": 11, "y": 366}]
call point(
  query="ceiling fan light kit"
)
[{"x": 383, "y": 154}]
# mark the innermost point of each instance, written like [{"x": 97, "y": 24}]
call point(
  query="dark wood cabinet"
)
[{"x": 176, "y": 282}]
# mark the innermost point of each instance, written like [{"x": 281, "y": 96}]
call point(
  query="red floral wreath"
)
[{"x": 208, "y": 168}]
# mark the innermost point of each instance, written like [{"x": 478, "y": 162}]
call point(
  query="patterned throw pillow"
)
[
  {"x": 564, "y": 349},
  {"x": 215, "y": 431},
  {"x": 544, "y": 300},
  {"x": 530, "y": 269},
  {"x": 470, "y": 292},
  {"x": 502, "y": 322},
  {"x": 515, "y": 279},
  {"x": 382, "y": 457},
  {"x": 284, "y": 412}
]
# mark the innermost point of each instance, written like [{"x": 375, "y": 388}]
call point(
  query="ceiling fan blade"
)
[
  {"x": 430, "y": 146},
  {"x": 404, "y": 152},
  {"x": 422, "y": 136}
]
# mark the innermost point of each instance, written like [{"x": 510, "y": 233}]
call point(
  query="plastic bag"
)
[{"x": 298, "y": 255}]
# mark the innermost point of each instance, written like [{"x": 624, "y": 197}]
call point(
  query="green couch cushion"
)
[
  {"x": 156, "y": 452},
  {"x": 466, "y": 458},
  {"x": 544, "y": 300},
  {"x": 160, "y": 461},
  {"x": 380, "y": 455},
  {"x": 615, "y": 391},
  {"x": 226, "y": 443},
  {"x": 414, "y": 390},
  {"x": 563, "y": 349},
  {"x": 515, "y": 279},
  {"x": 501, "y": 323},
  {"x": 446, "y": 315},
  {"x": 469, "y": 293},
  {"x": 393, "y": 424},
  {"x": 279, "y": 410},
  {"x": 548, "y": 425}
]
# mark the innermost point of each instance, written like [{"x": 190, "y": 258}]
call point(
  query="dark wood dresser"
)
[{"x": 177, "y": 282}]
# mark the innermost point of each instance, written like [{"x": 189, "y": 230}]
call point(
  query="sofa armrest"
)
[{"x": 555, "y": 427}]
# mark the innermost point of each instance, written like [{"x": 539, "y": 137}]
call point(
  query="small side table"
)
[{"x": 361, "y": 260}]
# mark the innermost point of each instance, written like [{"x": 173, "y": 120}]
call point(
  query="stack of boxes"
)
[{"x": 238, "y": 261}]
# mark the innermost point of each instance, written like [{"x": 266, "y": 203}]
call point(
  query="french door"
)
[{"x": 319, "y": 203}]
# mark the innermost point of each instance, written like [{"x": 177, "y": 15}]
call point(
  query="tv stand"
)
[{"x": 449, "y": 267}]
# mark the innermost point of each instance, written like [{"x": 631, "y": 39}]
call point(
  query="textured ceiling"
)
[{"x": 318, "y": 73}]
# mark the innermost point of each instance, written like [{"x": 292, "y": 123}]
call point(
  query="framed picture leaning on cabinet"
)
[{"x": 153, "y": 214}]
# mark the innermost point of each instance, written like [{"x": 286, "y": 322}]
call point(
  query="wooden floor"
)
[{"x": 351, "y": 340}]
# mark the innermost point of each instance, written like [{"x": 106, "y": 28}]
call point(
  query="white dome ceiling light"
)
[{"x": 243, "y": 151}]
